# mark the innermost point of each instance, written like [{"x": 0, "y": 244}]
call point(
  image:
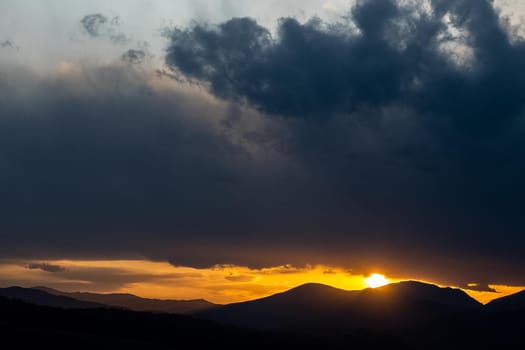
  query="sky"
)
[{"x": 232, "y": 149}]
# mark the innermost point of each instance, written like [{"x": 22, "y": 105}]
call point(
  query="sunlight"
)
[{"x": 376, "y": 280}]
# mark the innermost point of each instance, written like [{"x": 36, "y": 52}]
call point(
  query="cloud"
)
[
  {"x": 142, "y": 54},
  {"x": 9, "y": 44},
  {"x": 129, "y": 156},
  {"x": 134, "y": 56},
  {"x": 407, "y": 120},
  {"x": 480, "y": 287},
  {"x": 363, "y": 144},
  {"x": 240, "y": 278},
  {"x": 386, "y": 54},
  {"x": 46, "y": 267},
  {"x": 93, "y": 23},
  {"x": 99, "y": 26}
]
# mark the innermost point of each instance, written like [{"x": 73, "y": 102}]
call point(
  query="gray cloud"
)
[
  {"x": 134, "y": 56},
  {"x": 76, "y": 278},
  {"x": 9, "y": 44},
  {"x": 93, "y": 23},
  {"x": 127, "y": 159},
  {"x": 46, "y": 267},
  {"x": 99, "y": 26},
  {"x": 317, "y": 68},
  {"x": 119, "y": 38}
]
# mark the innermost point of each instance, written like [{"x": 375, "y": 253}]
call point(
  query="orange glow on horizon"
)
[
  {"x": 220, "y": 284},
  {"x": 501, "y": 291}
]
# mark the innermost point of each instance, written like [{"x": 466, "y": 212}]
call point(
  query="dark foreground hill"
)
[
  {"x": 135, "y": 303},
  {"x": 27, "y": 326}
]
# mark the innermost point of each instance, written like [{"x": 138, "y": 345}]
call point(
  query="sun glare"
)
[{"x": 376, "y": 280}]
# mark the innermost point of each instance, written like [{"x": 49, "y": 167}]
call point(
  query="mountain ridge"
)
[
  {"x": 136, "y": 303},
  {"x": 511, "y": 302},
  {"x": 314, "y": 305},
  {"x": 38, "y": 297},
  {"x": 307, "y": 301}
]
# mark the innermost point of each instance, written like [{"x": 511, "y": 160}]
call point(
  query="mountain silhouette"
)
[
  {"x": 406, "y": 315},
  {"x": 28, "y": 326},
  {"x": 39, "y": 297},
  {"x": 400, "y": 305},
  {"x": 423, "y": 292},
  {"x": 135, "y": 303},
  {"x": 514, "y": 302}
]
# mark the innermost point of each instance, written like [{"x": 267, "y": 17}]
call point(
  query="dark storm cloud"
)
[
  {"x": 46, "y": 267},
  {"x": 317, "y": 68},
  {"x": 93, "y": 160},
  {"x": 413, "y": 118},
  {"x": 373, "y": 147}
]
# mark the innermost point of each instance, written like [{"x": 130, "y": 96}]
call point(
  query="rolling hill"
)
[
  {"x": 39, "y": 297},
  {"x": 135, "y": 303}
]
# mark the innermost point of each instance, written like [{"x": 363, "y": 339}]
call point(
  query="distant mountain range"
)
[
  {"x": 43, "y": 298},
  {"x": 135, "y": 303},
  {"x": 29, "y": 326},
  {"x": 310, "y": 303},
  {"x": 421, "y": 315}
]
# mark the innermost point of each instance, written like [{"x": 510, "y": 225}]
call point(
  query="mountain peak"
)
[
  {"x": 427, "y": 292},
  {"x": 314, "y": 288}
]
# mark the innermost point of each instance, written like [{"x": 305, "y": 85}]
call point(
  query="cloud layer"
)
[
  {"x": 391, "y": 140},
  {"x": 412, "y": 112}
]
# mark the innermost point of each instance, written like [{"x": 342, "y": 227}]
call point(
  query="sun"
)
[{"x": 376, "y": 280}]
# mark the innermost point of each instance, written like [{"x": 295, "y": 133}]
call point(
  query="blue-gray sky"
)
[
  {"x": 50, "y": 31},
  {"x": 349, "y": 133}
]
